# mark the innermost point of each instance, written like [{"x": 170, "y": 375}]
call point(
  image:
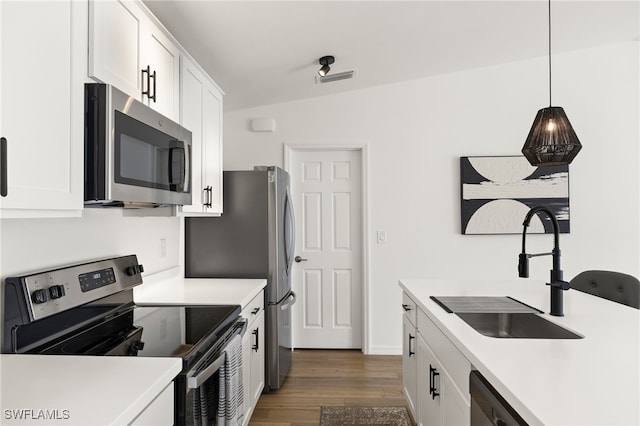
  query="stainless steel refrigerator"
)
[{"x": 254, "y": 238}]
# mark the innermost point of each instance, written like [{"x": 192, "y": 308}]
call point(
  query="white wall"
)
[
  {"x": 416, "y": 132},
  {"x": 30, "y": 245}
]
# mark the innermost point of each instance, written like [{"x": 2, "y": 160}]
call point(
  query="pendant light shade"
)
[{"x": 551, "y": 141}]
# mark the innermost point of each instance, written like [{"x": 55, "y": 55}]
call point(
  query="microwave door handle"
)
[{"x": 187, "y": 166}]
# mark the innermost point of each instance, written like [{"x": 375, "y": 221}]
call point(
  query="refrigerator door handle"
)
[
  {"x": 289, "y": 230},
  {"x": 289, "y": 303}
]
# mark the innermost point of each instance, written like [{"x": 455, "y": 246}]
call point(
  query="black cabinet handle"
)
[
  {"x": 3, "y": 166},
  {"x": 255, "y": 311},
  {"x": 256, "y": 333},
  {"x": 150, "y": 76},
  {"x": 153, "y": 97},
  {"x": 411, "y": 352},
  {"x": 432, "y": 382},
  {"x": 208, "y": 196},
  {"x": 406, "y": 308},
  {"x": 146, "y": 71}
]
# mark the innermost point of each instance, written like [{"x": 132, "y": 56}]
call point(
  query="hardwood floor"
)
[{"x": 330, "y": 377}]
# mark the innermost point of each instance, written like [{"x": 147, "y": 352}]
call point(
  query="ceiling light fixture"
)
[
  {"x": 325, "y": 61},
  {"x": 551, "y": 141}
]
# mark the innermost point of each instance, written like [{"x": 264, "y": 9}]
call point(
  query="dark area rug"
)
[{"x": 344, "y": 416}]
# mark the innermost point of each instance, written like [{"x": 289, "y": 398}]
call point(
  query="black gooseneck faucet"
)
[{"x": 557, "y": 284}]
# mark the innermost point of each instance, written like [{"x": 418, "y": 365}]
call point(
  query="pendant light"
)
[{"x": 551, "y": 141}]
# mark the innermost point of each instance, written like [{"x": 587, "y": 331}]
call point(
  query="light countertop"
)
[
  {"x": 589, "y": 381},
  {"x": 81, "y": 390},
  {"x": 198, "y": 291}
]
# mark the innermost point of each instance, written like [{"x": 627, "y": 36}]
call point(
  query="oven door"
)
[{"x": 202, "y": 388}]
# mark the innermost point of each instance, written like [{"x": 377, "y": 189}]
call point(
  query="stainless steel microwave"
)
[{"x": 133, "y": 155}]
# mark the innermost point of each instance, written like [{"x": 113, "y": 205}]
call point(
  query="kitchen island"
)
[
  {"x": 87, "y": 390},
  {"x": 588, "y": 381}
]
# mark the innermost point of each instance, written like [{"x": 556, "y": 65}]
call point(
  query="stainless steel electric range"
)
[{"x": 88, "y": 309}]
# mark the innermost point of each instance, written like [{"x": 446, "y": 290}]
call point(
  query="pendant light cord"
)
[{"x": 549, "y": 10}]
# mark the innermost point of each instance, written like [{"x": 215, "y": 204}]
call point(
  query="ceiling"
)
[{"x": 266, "y": 52}]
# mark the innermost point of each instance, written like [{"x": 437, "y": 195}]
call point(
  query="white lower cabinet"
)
[
  {"x": 159, "y": 412},
  {"x": 409, "y": 363},
  {"x": 440, "y": 376},
  {"x": 440, "y": 401},
  {"x": 253, "y": 355}
]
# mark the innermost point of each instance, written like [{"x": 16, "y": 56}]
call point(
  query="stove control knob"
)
[
  {"x": 56, "y": 291},
  {"x": 40, "y": 296},
  {"x": 135, "y": 347},
  {"x": 134, "y": 270}
]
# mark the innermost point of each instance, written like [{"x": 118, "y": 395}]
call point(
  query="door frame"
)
[{"x": 362, "y": 148}]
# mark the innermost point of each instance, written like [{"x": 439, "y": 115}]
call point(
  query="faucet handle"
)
[{"x": 562, "y": 285}]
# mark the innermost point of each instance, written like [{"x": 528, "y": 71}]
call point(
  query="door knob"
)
[{"x": 299, "y": 259}]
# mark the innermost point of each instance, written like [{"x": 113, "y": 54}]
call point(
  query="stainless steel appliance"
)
[
  {"x": 254, "y": 238},
  {"x": 134, "y": 156},
  {"x": 88, "y": 309},
  {"x": 488, "y": 407}
]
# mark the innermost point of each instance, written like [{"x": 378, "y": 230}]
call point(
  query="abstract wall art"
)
[{"x": 497, "y": 193}]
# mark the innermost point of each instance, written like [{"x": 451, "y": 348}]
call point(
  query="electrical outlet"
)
[{"x": 163, "y": 247}]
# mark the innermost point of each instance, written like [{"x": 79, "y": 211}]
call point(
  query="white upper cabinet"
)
[
  {"x": 43, "y": 66},
  {"x": 127, "y": 49},
  {"x": 201, "y": 112}
]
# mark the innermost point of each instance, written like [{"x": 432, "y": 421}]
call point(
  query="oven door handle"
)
[{"x": 195, "y": 381}]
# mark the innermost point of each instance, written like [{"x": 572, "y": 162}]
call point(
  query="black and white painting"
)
[{"x": 497, "y": 193}]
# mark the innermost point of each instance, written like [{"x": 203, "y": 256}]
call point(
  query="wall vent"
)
[{"x": 345, "y": 75}]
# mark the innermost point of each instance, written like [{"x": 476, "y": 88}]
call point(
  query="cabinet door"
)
[
  {"x": 257, "y": 358},
  {"x": 212, "y": 155},
  {"x": 124, "y": 41},
  {"x": 429, "y": 386},
  {"x": 162, "y": 57},
  {"x": 159, "y": 412},
  {"x": 455, "y": 408},
  {"x": 201, "y": 112},
  {"x": 41, "y": 118},
  {"x": 115, "y": 29},
  {"x": 192, "y": 88},
  {"x": 409, "y": 364},
  {"x": 246, "y": 375}
]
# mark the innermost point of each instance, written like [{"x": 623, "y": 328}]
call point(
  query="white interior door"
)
[{"x": 328, "y": 275}]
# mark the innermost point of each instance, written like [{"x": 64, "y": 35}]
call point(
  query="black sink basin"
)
[{"x": 516, "y": 326}]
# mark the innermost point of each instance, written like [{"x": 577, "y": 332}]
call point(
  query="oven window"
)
[{"x": 144, "y": 156}]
